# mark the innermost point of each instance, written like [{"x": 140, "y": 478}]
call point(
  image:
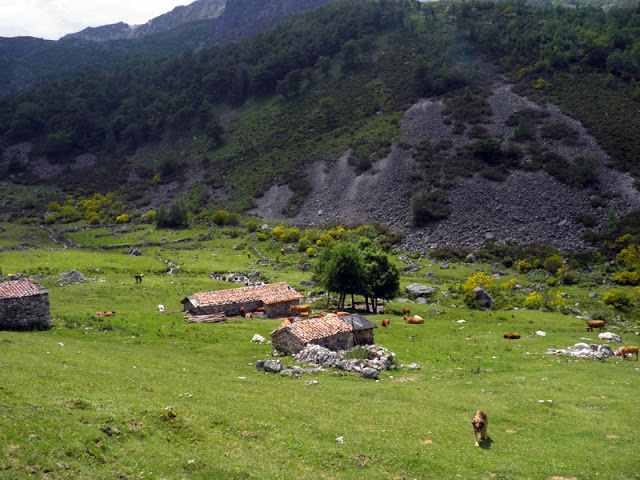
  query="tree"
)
[
  {"x": 173, "y": 217},
  {"x": 381, "y": 276},
  {"x": 340, "y": 269}
]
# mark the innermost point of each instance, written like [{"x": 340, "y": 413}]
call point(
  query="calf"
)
[
  {"x": 415, "y": 320},
  {"x": 385, "y": 323},
  {"x": 623, "y": 352},
  {"x": 595, "y": 324},
  {"x": 138, "y": 277}
]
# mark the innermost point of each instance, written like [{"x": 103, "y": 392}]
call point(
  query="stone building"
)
[
  {"x": 329, "y": 331},
  {"x": 24, "y": 305},
  {"x": 362, "y": 328},
  {"x": 276, "y": 298}
]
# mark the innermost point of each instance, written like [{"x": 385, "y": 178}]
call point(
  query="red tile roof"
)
[
  {"x": 267, "y": 294},
  {"x": 316, "y": 328},
  {"x": 20, "y": 288}
]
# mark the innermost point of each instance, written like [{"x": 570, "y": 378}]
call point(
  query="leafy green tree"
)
[
  {"x": 173, "y": 217},
  {"x": 340, "y": 269},
  {"x": 381, "y": 276}
]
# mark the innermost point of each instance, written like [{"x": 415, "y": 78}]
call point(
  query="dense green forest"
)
[{"x": 335, "y": 78}]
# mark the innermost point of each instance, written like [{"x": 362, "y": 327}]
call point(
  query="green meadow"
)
[{"x": 145, "y": 395}]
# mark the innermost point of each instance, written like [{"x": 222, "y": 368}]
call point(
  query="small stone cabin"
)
[
  {"x": 328, "y": 331},
  {"x": 362, "y": 328},
  {"x": 276, "y": 298},
  {"x": 24, "y": 305}
]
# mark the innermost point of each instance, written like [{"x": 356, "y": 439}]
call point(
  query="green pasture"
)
[{"x": 144, "y": 395}]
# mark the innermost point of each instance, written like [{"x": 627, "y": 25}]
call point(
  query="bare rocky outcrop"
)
[{"x": 527, "y": 207}]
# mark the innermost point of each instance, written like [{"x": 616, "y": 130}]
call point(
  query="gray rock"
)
[
  {"x": 272, "y": 366},
  {"x": 260, "y": 365},
  {"x": 304, "y": 283},
  {"x": 289, "y": 249},
  {"x": 72, "y": 276},
  {"x": 611, "y": 337},
  {"x": 418, "y": 289},
  {"x": 306, "y": 267},
  {"x": 414, "y": 366},
  {"x": 482, "y": 297},
  {"x": 135, "y": 251},
  {"x": 444, "y": 266},
  {"x": 257, "y": 338},
  {"x": 370, "y": 373},
  {"x": 593, "y": 295},
  {"x": 470, "y": 258},
  {"x": 421, "y": 300}
]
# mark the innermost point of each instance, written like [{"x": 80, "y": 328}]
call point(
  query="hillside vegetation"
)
[
  {"x": 144, "y": 394},
  {"x": 246, "y": 116}
]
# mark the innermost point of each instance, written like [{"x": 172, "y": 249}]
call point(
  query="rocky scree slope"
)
[{"x": 529, "y": 206}]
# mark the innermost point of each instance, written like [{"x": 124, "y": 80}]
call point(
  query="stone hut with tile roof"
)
[
  {"x": 362, "y": 328},
  {"x": 24, "y": 305},
  {"x": 276, "y": 298},
  {"x": 329, "y": 331}
]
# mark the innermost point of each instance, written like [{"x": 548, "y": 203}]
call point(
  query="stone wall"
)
[
  {"x": 25, "y": 313},
  {"x": 285, "y": 342},
  {"x": 277, "y": 310},
  {"x": 230, "y": 310},
  {"x": 364, "y": 337}
]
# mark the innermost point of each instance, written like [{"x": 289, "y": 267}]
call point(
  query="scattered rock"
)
[
  {"x": 482, "y": 297},
  {"x": 444, "y": 266},
  {"x": 135, "y": 251},
  {"x": 541, "y": 333},
  {"x": 611, "y": 337},
  {"x": 584, "y": 350},
  {"x": 258, "y": 338},
  {"x": 378, "y": 358},
  {"x": 419, "y": 290},
  {"x": 72, "y": 277},
  {"x": 414, "y": 366},
  {"x": 369, "y": 373},
  {"x": 340, "y": 440},
  {"x": 272, "y": 366}
]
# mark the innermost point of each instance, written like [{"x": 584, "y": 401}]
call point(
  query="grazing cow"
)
[
  {"x": 109, "y": 313},
  {"x": 406, "y": 311},
  {"x": 343, "y": 314},
  {"x": 300, "y": 309},
  {"x": 595, "y": 324},
  {"x": 415, "y": 320},
  {"x": 512, "y": 336},
  {"x": 242, "y": 312},
  {"x": 261, "y": 309},
  {"x": 385, "y": 323},
  {"x": 138, "y": 277},
  {"x": 303, "y": 314},
  {"x": 287, "y": 321},
  {"x": 623, "y": 352}
]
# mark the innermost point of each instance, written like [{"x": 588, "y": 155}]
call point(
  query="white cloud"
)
[{"x": 52, "y": 19}]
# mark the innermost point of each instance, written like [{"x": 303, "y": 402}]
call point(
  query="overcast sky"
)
[{"x": 52, "y": 19}]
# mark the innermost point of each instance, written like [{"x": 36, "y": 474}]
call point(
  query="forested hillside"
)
[{"x": 252, "y": 114}]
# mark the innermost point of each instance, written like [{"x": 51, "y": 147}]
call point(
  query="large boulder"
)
[
  {"x": 482, "y": 297},
  {"x": 420, "y": 290},
  {"x": 610, "y": 337},
  {"x": 371, "y": 373},
  {"x": 71, "y": 276}
]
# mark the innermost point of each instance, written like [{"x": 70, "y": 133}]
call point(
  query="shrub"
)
[
  {"x": 533, "y": 301},
  {"x": 262, "y": 237},
  {"x": 509, "y": 285},
  {"x": 311, "y": 252},
  {"x": 618, "y": 299},
  {"x": 124, "y": 218},
  {"x": 626, "y": 278},
  {"x": 523, "y": 266},
  {"x": 553, "y": 300},
  {"x": 222, "y": 217},
  {"x": 553, "y": 264},
  {"x": 552, "y": 281},
  {"x": 251, "y": 225},
  {"x": 429, "y": 206}
]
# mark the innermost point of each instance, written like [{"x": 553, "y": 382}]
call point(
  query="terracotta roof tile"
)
[
  {"x": 267, "y": 294},
  {"x": 316, "y": 328},
  {"x": 20, "y": 288}
]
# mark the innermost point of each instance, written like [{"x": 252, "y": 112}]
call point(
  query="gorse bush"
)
[{"x": 618, "y": 299}]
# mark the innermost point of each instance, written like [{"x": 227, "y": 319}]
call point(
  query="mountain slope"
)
[{"x": 198, "y": 10}]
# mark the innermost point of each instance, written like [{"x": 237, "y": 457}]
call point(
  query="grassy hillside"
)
[{"x": 91, "y": 398}]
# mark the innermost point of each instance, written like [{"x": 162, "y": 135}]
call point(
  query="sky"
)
[{"x": 52, "y": 19}]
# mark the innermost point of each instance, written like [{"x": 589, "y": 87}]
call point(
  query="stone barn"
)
[
  {"x": 328, "y": 331},
  {"x": 276, "y": 298},
  {"x": 24, "y": 305},
  {"x": 362, "y": 328}
]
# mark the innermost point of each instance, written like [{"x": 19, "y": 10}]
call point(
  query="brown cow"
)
[
  {"x": 415, "y": 320},
  {"x": 138, "y": 277},
  {"x": 343, "y": 314},
  {"x": 242, "y": 311},
  {"x": 300, "y": 309},
  {"x": 406, "y": 311},
  {"x": 596, "y": 324},
  {"x": 109, "y": 313},
  {"x": 623, "y": 352},
  {"x": 248, "y": 315},
  {"x": 261, "y": 309},
  {"x": 512, "y": 336},
  {"x": 385, "y": 323}
]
